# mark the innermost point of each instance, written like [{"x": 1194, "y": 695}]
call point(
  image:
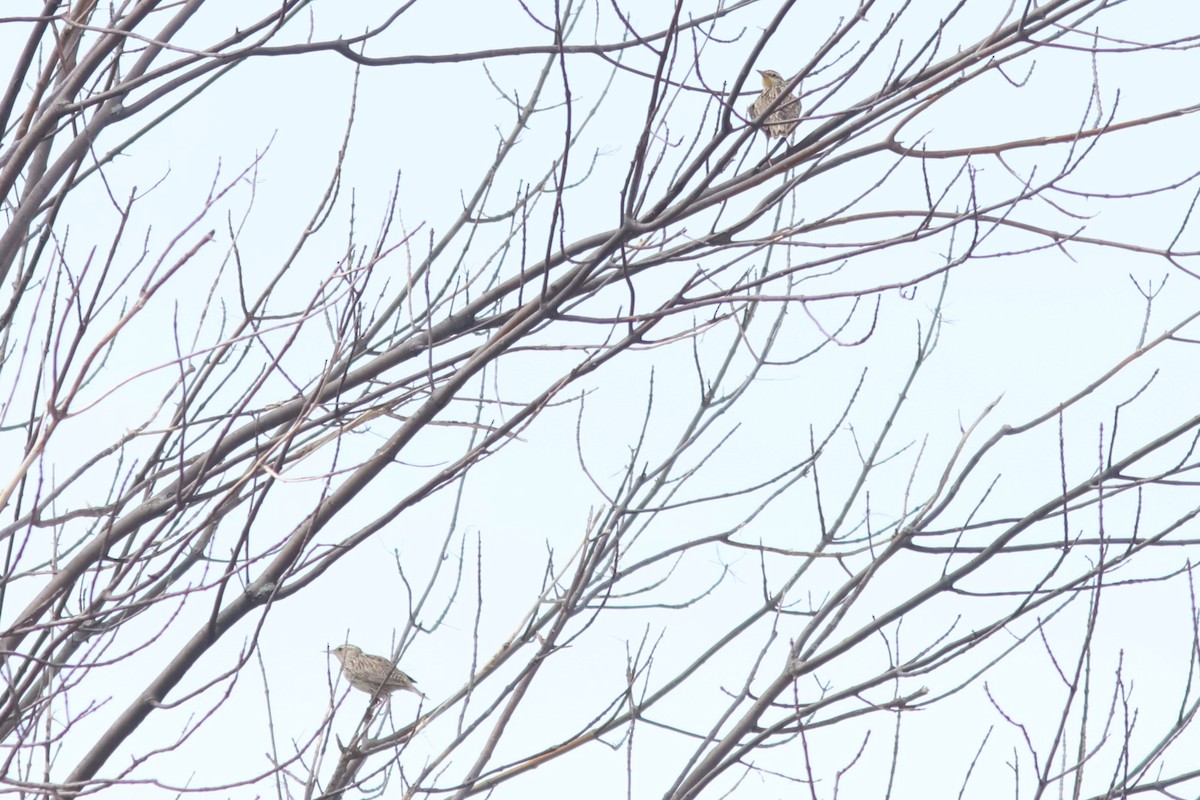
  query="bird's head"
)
[
  {"x": 343, "y": 650},
  {"x": 771, "y": 78}
]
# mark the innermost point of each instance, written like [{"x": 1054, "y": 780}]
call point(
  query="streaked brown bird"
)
[
  {"x": 372, "y": 674},
  {"x": 786, "y": 116}
]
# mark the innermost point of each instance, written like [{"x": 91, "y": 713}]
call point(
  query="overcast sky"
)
[{"x": 1025, "y": 325}]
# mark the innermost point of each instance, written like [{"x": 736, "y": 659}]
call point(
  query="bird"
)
[
  {"x": 786, "y": 115},
  {"x": 375, "y": 675}
]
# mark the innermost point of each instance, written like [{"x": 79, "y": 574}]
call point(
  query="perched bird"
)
[
  {"x": 374, "y": 675},
  {"x": 786, "y": 116}
]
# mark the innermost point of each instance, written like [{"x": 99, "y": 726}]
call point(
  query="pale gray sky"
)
[{"x": 1031, "y": 329}]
